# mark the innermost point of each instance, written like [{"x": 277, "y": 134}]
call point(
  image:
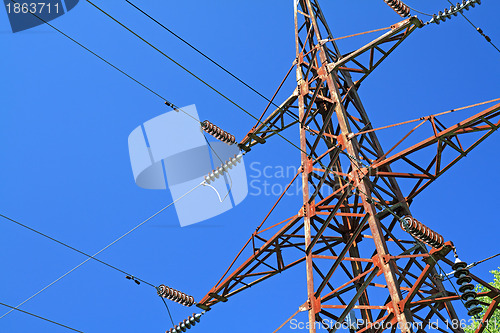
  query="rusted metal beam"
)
[{"x": 487, "y": 316}]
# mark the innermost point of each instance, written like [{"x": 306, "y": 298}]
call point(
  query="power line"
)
[
  {"x": 479, "y": 30},
  {"x": 74, "y": 249},
  {"x": 171, "y": 59},
  {"x": 205, "y": 56},
  {"x": 204, "y": 82},
  {"x": 39, "y": 317},
  {"x": 192, "y": 74},
  {"x": 103, "y": 249}
]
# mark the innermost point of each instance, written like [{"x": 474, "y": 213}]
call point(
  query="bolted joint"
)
[
  {"x": 307, "y": 210},
  {"x": 307, "y": 167},
  {"x": 381, "y": 261}
]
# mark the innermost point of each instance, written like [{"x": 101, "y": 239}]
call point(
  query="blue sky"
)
[{"x": 65, "y": 169}]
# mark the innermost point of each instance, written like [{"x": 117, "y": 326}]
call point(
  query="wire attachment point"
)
[{"x": 453, "y": 11}]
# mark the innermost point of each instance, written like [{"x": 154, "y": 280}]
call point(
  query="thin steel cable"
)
[
  {"x": 418, "y": 11},
  {"x": 173, "y": 106},
  {"x": 103, "y": 249},
  {"x": 39, "y": 317},
  {"x": 481, "y": 261},
  {"x": 168, "y": 103},
  {"x": 443, "y": 273},
  {"x": 477, "y": 29},
  {"x": 168, "y": 310},
  {"x": 192, "y": 74},
  {"x": 381, "y": 205},
  {"x": 205, "y": 55},
  {"x": 170, "y": 58},
  {"x": 95, "y": 54},
  {"x": 74, "y": 249},
  {"x": 222, "y": 163}
]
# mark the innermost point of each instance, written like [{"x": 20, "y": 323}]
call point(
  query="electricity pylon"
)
[{"x": 359, "y": 263}]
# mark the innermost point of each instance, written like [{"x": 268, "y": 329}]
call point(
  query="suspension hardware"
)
[
  {"x": 175, "y": 295},
  {"x": 186, "y": 323},
  {"x": 466, "y": 288},
  {"x": 218, "y": 133},
  {"x": 220, "y": 171},
  {"x": 421, "y": 232},
  {"x": 399, "y": 7}
]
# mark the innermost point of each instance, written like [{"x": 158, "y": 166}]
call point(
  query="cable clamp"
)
[{"x": 132, "y": 278}]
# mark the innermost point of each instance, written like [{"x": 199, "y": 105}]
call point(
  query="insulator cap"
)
[
  {"x": 218, "y": 133},
  {"x": 399, "y": 7},
  {"x": 175, "y": 295},
  {"x": 422, "y": 232}
]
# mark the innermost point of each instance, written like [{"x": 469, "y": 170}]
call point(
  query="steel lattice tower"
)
[{"x": 356, "y": 255}]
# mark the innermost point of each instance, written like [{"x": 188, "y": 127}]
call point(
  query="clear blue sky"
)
[{"x": 65, "y": 169}]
